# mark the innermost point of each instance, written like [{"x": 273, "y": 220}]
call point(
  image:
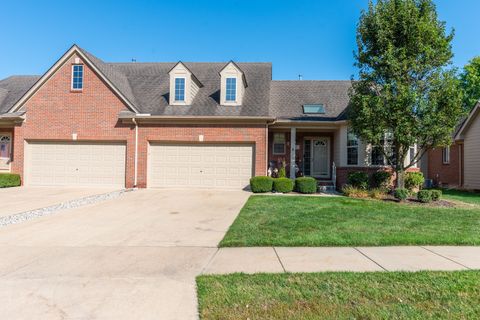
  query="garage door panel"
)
[
  {"x": 200, "y": 165},
  {"x": 76, "y": 164}
]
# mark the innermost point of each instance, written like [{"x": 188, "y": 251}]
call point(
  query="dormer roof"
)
[
  {"x": 231, "y": 62},
  {"x": 194, "y": 78}
]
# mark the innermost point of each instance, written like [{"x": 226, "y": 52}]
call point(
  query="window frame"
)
[
  {"x": 72, "y": 82},
  {"x": 446, "y": 155},
  {"x": 9, "y": 135},
  {"x": 353, "y": 146},
  {"x": 284, "y": 143},
  {"x": 175, "y": 89},
  {"x": 227, "y": 100}
]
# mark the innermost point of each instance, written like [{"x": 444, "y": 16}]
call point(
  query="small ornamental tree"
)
[
  {"x": 405, "y": 89},
  {"x": 470, "y": 80}
]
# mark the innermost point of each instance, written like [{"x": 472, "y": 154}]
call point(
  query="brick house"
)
[
  {"x": 86, "y": 122},
  {"x": 458, "y": 165}
]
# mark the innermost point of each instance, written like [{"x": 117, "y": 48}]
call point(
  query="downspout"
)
[{"x": 136, "y": 154}]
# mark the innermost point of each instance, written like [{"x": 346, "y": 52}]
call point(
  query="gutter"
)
[
  {"x": 161, "y": 118},
  {"x": 136, "y": 154}
]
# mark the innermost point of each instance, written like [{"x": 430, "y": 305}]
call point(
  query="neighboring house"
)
[
  {"x": 86, "y": 122},
  {"x": 459, "y": 164}
]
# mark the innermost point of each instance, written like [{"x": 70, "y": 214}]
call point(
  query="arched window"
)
[{"x": 5, "y": 146}]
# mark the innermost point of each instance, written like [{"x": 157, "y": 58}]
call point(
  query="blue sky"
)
[{"x": 312, "y": 38}]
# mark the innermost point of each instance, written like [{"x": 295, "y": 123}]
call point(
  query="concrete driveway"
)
[
  {"x": 135, "y": 257},
  {"x": 21, "y": 199}
]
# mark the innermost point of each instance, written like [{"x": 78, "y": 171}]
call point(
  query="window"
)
[
  {"x": 377, "y": 156},
  {"x": 231, "y": 93},
  {"x": 77, "y": 77},
  {"x": 412, "y": 156},
  {"x": 446, "y": 155},
  {"x": 279, "y": 143},
  {"x": 314, "y": 108},
  {"x": 5, "y": 146},
  {"x": 352, "y": 148},
  {"x": 179, "y": 89}
]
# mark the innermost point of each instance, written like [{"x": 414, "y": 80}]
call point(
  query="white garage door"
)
[
  {"x": 200, "y": 165},
  {"x": 75, "y": 164}
]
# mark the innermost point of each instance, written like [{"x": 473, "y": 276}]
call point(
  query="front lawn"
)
[
  {"x": 393, "y": 295},
  {"x": 462, "y": 196},
  {"x": 341, "y": 221}
]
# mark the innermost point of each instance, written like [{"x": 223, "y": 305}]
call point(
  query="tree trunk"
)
[{"x": 400, "y": 178}]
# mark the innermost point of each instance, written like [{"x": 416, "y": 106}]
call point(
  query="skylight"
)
[{"x": 314, "y": 108}]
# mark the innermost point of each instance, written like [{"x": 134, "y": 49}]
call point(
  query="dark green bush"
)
[
  {"x": 283, "y": 185},
  {"x": 306, "y": 185},
  {"x": 401, "y": 194},
  {"x": 436, "y": 194},
  {"x": 358, "y": 179},
  {"x": 424, "y": 196},
  {"x": 261, "y": 184},
  {"x": 414, "y": 180},
  {"x": 381, "y": 179},
  {"x": 8, "y": 180}
]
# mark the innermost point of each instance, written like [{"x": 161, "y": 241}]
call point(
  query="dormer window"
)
[
  {"x": 313, "y": 109},
  {"x": 77, "y": 77},
  {"x": 231, "y": 87},
  {"x": 180, "y": 89},
  {"x": 183, "y": 85}
]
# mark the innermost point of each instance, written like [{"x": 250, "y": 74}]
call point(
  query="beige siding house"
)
[{"x": 470, "y": 135}]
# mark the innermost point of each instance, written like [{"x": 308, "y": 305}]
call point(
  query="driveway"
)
[
  {"x": 135, "y": 257},
  {"x": 21, "y": 199}
]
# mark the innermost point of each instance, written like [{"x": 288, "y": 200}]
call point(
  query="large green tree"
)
[
  {"x": 406, "y": 88},
  {"x": 470, "y": 79}
]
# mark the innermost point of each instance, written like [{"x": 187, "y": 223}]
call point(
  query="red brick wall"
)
[
  {"x": 55, "y": 113},
  {"x": 445, "y": 174}
]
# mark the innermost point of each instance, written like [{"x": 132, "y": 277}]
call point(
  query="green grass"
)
[
  {"x": 341, "y": 221},
  {"x": 395, "y": 295},
  {"x": 463, "y": 196}
]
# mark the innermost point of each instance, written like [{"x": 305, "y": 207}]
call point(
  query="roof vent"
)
[{"x": 313, "y": 108}]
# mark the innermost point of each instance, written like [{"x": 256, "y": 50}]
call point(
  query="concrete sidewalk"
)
[{"x": 359, "y": 259}]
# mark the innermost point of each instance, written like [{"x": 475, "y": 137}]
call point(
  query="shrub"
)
[
  {"x": 8, "y": 180},
  {"x": 282, "y": 173},
  {"x": 381, "y": 179},
  {"x": 436, "y": 194},
  {"x": 401, "y": 194},
  {"x": 377, "y": 193},
  {"x": 358, "y": 179},
  {"x": 414, "y": 180},
  {"x": 283, "y": 185},
  {"x": 306, "y": 185},
  {"x": 354, "y": 192},
  {"x": 424, "y": 196},
  {"x": 261, "y": 184}
]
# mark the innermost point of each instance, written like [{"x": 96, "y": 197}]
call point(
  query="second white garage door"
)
[
  {"x": 200, "y": 165},
  {"x": 75, "y": 164}
]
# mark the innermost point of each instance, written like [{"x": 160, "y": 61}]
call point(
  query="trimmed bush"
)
[
  {"x": 401, "y": 194},
  {"x": 306, "y": 185},
  {"x": 8, "y": 180},
  {"x": 261, "y": 184},
  {"x": 283, "y": 185},
  {"x": 414, "y": 180},
  {"x": 424, "y": 196},
  {"x": 354, "y": 192},
  {"x": 381, "y": 179},
  {"x": 358, "y": 179},
  {"x": 377, "y": 193},
  {"x": 436, "y": 194}
]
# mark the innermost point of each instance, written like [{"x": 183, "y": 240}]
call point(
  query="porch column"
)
[{"x": 293, "y": 147}]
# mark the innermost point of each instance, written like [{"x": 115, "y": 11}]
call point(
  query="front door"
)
[{"x": 320, "y": 157}]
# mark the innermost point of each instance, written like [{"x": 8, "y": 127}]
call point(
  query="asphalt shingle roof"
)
[
  {"x": 146, "y": 87},
  {"x": 13, "y": 88},
  {"x": 288, "y": 97}
]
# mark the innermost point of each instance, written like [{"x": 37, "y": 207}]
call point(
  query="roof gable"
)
[
  {"x": 101, "y": 69},
  {"x": 473, "y": 115}
]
